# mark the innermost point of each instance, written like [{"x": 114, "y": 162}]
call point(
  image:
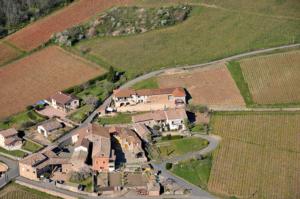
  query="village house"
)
[
  {"x": 142, "y": 130},
  {"x": 148, "y": 99},
  {"x": 48, "y": 127},
  {"x": 172, "y": 119},
  {"x": 96, "y": 138},
  {"x": 37, "y": 164},
  {"x": 62, "y": 101},
  {"x": 130, "y": 143},
  {"x": 9, "y": 139}
]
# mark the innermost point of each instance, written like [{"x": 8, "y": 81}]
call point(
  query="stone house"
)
[
  {"x": 48, "y": 127},
  {"x": 97, "y": 139},
  {"x": 9, "y": 139},
  {"x": 62, "y": 101},
  {"x": 172, "y": 119},
  {"x": 130, "y": 143},
  {"x": 165, "y": 97},
  {"x": 37, "y": 164}
]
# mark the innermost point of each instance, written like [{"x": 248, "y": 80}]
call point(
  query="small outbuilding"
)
[{"x": 49, "y": 126}]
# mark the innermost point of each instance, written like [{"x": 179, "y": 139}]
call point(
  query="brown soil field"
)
[
  {"x": 39, "y": 32},
  {"x": 7, "y": 53},
  {"x": 211, "y": 86},
  {"x": 39, "y": 75},
  {"x": 273, "y": 79},
  {"x": 259, "y": 155}
]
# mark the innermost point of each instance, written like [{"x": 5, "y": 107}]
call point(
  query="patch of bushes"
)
[
  {"x": 169, "y": 166},
  {"x": 78, "y": 177},
  {"x": 124, "y": 21}
]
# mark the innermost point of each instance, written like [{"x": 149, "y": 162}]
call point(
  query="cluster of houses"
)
[{"x": 97, "y": 147}]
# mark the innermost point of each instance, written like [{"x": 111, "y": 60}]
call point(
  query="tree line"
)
[{"x": 14, "y": 14}]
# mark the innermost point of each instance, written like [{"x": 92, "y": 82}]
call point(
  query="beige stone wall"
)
[{"x": 27, "y": 171}]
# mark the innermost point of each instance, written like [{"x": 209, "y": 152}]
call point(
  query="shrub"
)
[{"x": 169, "y": 165}]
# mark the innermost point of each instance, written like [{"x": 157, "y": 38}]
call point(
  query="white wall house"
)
[
  {"x": 124, "y": 97},
  {"x": 64, "y": 102},
  {"x": 9, "y": 139},
  {"x": 171, "y": 118}
]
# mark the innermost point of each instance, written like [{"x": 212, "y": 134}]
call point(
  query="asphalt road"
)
[
  {"x": 12, "y": 173},
  {"x": 194, "y": 190}
]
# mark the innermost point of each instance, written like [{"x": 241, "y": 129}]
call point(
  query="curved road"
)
[{"x": 194, "y": 190}]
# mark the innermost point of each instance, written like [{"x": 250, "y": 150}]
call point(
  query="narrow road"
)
[
  {"x": 194, "y": 190},
  {"x": 13, "y": 170}
]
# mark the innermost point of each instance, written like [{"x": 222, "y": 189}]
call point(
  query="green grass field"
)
[
  {"x": 146, "y": 84},
  {"x": 16, "y": 153},
  {"x": 120, "y": 118},
  {"x": 21, "y": 120},
  {"x": 16, "y": 191},
  {"x": 195, "y": 171},
  {"x": 81, "y": 114},
  {"x": 209, "y": 34},
  {"x": 31, "y": 146},
  {"x": 171, "y": 148}
]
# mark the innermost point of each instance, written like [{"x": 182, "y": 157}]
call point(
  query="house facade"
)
[
  {"x": 171, "y": 119},
  {"x": 149, "y": 99},
  {"x": 62, "y": 101},
  {"x": 35, "y": 165},
  {"x": 9, "y": 139}
]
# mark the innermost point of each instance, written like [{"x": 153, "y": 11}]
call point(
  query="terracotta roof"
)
[
  {"x": 34, "y": 159},
  {"x": 51, "y": 125},
  {"x": 101, "y": 148},
  {"x": 9, "y": 132},
  {"x": 179, "y": 92},
  {"x": 126, "y": 92},
  {"x": 128, "y": 135},
  {"x": 155, "y": 115},
  {"x": 142, "y": 131},
  {"x": 169, "y": 114},
  {"x": 172, "y": 114},
  {"x": 62, "y": 98},
  {"x": 83, "y": 142},
  {"x": 12, "y": 141}
]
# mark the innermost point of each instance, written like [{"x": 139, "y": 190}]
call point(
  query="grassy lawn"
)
[
  {"x": 236, "y": 73},
  {"x": 88, "y": 183},
  {"x": 81, "y": 114},
  {"x": 209, "y": 34},
  {"x": 31, "y": 146},
  {"x": 120, "y": 118},
  {"x": 16, "y": 153},
  {"x": 148, "y": 83},
  {"x": 22, "y": 120},
  {"x": 194, "y": 171},
  {"x": 16, "y": 191},
  {"x": 95, "y": 91},
  {"x": 178, "y": 147}
]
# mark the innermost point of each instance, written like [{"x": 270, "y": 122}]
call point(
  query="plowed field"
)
[
  {"x": 7, "y": 53},
  {"x": 39, "y": 32},
  {"x": 39, "y": 75},
  {"x": 213, "y": 86}
]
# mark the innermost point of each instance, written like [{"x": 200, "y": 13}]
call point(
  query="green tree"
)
[{"x": 111, "y": 76}]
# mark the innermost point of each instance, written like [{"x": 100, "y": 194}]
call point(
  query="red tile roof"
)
[
  {"x": 127, "y": 92},
  {"x": 9, "y": 132},
  {"x": 62, "y": 98}
]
